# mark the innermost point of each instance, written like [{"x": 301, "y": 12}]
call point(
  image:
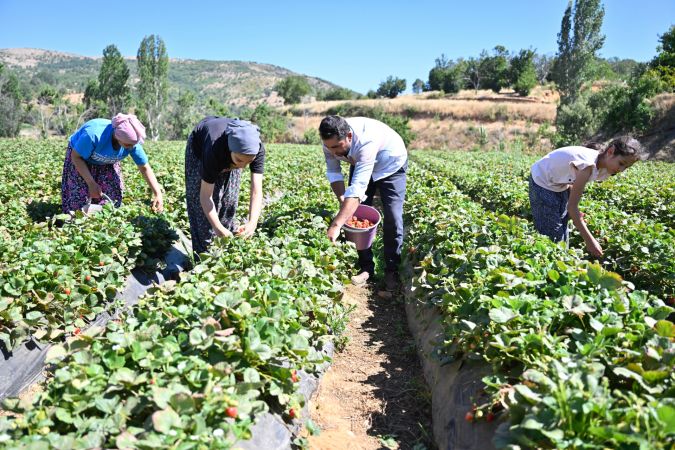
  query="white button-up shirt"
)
[
  {"x": 557, "y": 170},
  {"x": 376, "y": 152}
]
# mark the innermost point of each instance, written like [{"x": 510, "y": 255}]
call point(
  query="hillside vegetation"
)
[{"x": 229, "y": 82}]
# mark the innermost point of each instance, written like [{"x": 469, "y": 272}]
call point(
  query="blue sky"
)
[{"x": 355, "y": 44}]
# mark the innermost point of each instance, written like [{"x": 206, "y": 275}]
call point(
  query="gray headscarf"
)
[{"x": 243, "y": 137}]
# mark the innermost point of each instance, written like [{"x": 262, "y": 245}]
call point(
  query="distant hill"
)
[{"x": 231, "y": 82}]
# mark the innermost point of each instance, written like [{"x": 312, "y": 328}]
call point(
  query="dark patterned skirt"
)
[
  {"x": 549, "y": 211},
  {"x": 74, "y": 190},
  {"x": 225, "y": 197}
]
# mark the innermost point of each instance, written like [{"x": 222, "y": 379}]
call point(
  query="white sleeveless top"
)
[{"x": 557, "y": 170}]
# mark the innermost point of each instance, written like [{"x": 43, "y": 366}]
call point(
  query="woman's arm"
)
[
  {"x": 85, "y": 173},
  {"x": 254, "y": 207},
  {"x": 157, "y": 198},
  {"x": 573, "y": 209},
  {"x": 209, "y": 208}
]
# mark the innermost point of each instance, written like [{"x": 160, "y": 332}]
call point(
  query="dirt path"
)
[{"x": 374, "y": 395}]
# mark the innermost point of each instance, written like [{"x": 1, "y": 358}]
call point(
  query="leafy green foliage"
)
[
  {"x": 195, "y": 361},
  {"x": 10, "y": 103},
  {"x": 664, "y": 62},
  {"x": 337, "y": 93},
  {"x": 391, "y": 87},
  {"x": 579, "y": 361},
  {"x": 522, "y": 72},
  {"x": 112, "y": 81},
  {"x": 273, "y": 125},
  {"x": 293, "y": 88},
  {"x": 418, "y": 86},
  {"x": 184, "y": 116},
  {"x": 153, "y": 86},
  {"x": 447, "y": 76},
  {"x": 578, "y": 41}
]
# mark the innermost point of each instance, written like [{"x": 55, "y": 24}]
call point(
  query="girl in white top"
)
[{"x": 558, "y": 180}]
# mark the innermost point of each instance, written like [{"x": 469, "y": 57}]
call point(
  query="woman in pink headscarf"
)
[{"x": 92, "y": 165}]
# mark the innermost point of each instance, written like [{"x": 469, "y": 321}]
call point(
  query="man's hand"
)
[
  {"x": 333, "y": 232},
  {"x": 246, "y": 231}
]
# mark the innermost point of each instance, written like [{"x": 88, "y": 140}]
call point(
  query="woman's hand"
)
[
  {"x": 94, "y": 190},
  {"x": 157, "y": 202},
  {"x": 594, "y": 248},
  {"x": 246, "y": 231},
  {"x": 223, "y": 232}
]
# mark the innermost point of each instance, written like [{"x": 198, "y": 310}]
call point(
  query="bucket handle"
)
[{"x": 104, "y": 196}]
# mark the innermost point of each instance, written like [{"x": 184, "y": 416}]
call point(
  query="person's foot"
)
[
  {"x": 391, "y": 281},
  {"x": 361, "y": 279}
]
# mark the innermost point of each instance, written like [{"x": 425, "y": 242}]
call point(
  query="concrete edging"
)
[{"x": 453, "y": 386}]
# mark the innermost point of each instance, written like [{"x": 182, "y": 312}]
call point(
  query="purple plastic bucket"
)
[{"x": 363, "y": 237}]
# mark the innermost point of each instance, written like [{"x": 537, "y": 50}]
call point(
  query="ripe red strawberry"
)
[
  {"x": 66, "y": 291},
  {"x": 77, "y": 331},
  {"x": 88, "y": 278},
  {"x": 291, "y": 413},
  {"x": 490, "y": 417},
  {"x": 231, "y": 412},
  {"x": 469, "y": 416}
]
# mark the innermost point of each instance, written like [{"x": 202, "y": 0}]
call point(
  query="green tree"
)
[
  {"x": 418, "y": 86},
  {"x": 336, "y": 93},
  {"x": 623, "y": 68},
  {"x": 273, "y": 125},
  {"x": 522, "y": 73},
  {"x": 474, "y": 71},
  {"x": 391, "y": 87},
  {"x": 447, "y": 76},
  {"x": 184, "y": 116},
  {"x": 214, "y": 108},
  {"x": 112, "y": 81},
  {"x": 93, "y": 105},
  {"x": 578, "y": 41},
  {"x": 495, "y": 69},
  {"x": 46, "y": 98},
  {"x": 293, "y": 88},
  {"x": 542, "y": 66},
  {"x": 153, "y": 87},
  {"x": 10, "y": 103},
  {"x": 664, "y": 62}
]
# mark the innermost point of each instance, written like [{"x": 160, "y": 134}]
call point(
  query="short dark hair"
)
[
  {"x": 334, "y": 126},
  {"x": 627, "y": 146}
]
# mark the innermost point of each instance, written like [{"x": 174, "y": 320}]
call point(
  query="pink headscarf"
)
[{"x": 128, "y": 128}]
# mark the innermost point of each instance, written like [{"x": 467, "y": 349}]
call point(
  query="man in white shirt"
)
[{"x": 378, "y": 160}]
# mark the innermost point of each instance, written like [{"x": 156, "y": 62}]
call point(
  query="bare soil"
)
[{"x": 374, "y": 395}]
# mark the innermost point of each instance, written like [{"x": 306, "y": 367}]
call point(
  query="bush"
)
[
  {"x": 527, "y": 79},
  {"x": 293, "y": 88},
  {"x": 273, "y": 125},
  {"x": 337, "y": 93},
  {"x": 391, "y": 87},
  {"x": 311, "y": 136},
  {"x": 575, "y": 122}
]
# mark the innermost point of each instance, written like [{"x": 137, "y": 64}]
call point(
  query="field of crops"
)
[{"x": 582, "y": 352}]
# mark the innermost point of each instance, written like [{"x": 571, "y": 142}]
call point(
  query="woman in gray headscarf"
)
[{"x": 217, "y": 149}]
